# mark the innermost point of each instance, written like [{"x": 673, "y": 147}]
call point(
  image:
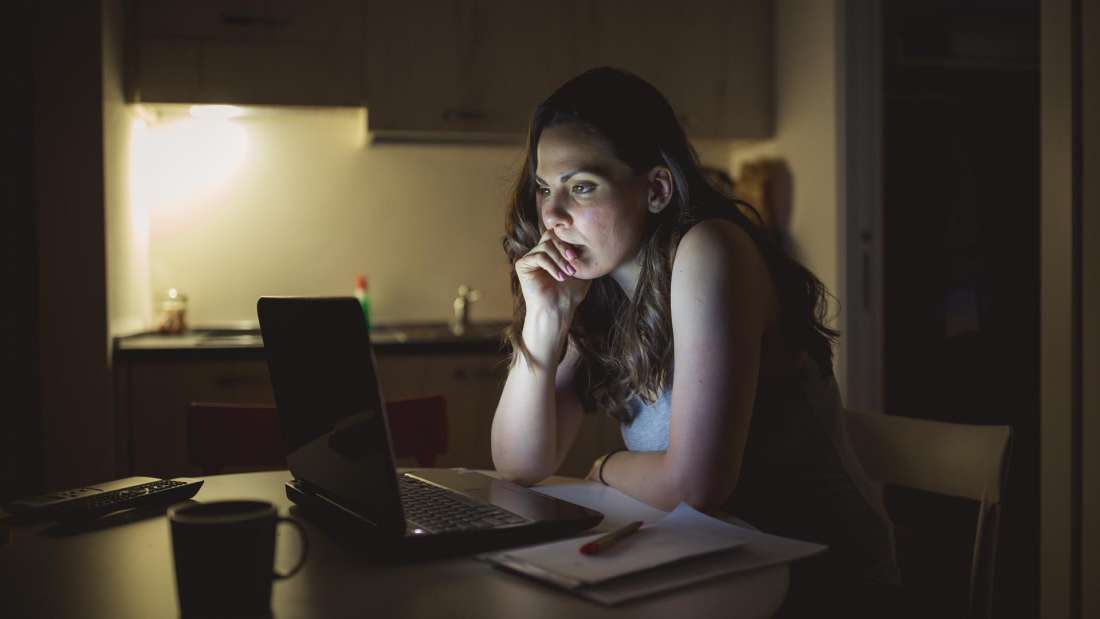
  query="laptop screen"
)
[{"x": 330, "y": 405}]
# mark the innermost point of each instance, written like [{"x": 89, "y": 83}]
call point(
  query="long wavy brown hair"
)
[{"x": 626, "y": 343}]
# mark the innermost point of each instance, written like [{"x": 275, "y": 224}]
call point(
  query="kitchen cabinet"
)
[
  {"x": 472, "y": 385},
  {"x": 464, "y": 67},
  {"x": 152, "y": 395},
  {"x": 276, "y": 52},
  {"x": 711, "y": 58},
  {"x": 478, "y": 67},
  {"x": 454, "y": 69},
  {"x": 151, "y": 399}
]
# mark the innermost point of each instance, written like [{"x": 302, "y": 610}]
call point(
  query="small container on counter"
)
[{"x": 172, "y": 312}]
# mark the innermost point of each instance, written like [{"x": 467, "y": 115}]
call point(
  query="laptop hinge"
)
[{"x": 347, "y": 511}]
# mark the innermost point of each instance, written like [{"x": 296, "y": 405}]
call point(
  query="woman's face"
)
[{"x": 590, "y": 199}]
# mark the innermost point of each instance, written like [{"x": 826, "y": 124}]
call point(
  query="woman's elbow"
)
[
  {"x": 523, "y": 478},
  {"x": 520, "y": 472},
  {"x": 708, "y": 495}
]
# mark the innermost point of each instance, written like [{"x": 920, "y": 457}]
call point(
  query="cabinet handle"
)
[
  {"x": 236, "y": 380},
  {"x": 463, "y": 114},
  {"x": 243, "y": 20}
]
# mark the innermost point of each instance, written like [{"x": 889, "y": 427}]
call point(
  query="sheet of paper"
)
[
  {"x": 720, "y": 548},
  {"x": 618, "y": 509},
  {"x": 682, "y": 533},
  {"x": 760, "y": 550}
]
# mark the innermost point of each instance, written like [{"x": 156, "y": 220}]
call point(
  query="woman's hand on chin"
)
[{"x": 546, "y": 277}]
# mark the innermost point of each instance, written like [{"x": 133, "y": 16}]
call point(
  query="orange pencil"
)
[{"x": 604, "y": 542}]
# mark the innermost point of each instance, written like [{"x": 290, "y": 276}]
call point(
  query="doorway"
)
[{"x": 960, "y": 251}]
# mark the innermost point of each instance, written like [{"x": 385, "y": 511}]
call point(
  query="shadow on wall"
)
[{"x": 767, "y": 185}]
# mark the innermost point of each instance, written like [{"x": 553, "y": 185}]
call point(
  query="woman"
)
[{"x": 642, "y": 291}]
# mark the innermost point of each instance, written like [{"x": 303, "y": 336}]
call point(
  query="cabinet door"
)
[
  {"x": 522, "y": 51},
  {"x": 248, "y": 51},
  {"x": 710, "y": 58},
  {"x": 159, "y": 393},
  {"x": 414, "y": 53},
  {"x": 463, "y": 66},
  {"x": 471, "y": 383}
]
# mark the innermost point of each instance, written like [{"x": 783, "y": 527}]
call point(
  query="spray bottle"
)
[{"x": 361, "y": 295}]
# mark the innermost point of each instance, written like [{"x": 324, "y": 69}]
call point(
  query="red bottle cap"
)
[{"x": 361, "y": 282}]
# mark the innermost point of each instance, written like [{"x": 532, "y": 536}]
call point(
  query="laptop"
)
[{"x": 333, "y": 421}]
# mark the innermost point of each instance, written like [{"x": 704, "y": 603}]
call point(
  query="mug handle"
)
[{"x": 305, "y": 548}]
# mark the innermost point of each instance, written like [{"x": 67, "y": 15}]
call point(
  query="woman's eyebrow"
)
[{"x": 568, "y": 175}]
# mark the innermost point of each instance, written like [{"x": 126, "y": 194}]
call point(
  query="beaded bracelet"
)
[{"x": 603, "y": 463}]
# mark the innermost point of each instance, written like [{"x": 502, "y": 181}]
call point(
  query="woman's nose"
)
[{"x": 553, "y": 213}]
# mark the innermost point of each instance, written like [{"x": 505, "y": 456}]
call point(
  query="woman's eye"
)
[
  {"x": 543, "y": 191},
  {"x": 583, "y": 188}
]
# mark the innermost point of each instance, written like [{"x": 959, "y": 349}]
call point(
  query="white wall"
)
[
  {"x": 127, "y": 225},
  {"x": 296, "y": 201},
  {"x": 806, "y": 138},
  {"x": 293, "y": 201}
]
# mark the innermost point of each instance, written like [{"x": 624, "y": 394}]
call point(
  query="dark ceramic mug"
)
[{"x": 224, "y": 554}]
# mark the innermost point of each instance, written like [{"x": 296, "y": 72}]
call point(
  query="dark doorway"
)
[{"x": 961, "y": 259}]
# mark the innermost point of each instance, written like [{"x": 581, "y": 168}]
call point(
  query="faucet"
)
[{"x": 461, "y": 320}]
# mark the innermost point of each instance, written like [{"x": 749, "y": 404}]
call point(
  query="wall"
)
[
  {"x": 127, "y": 225},
  {"x": 75, "y": 400},
  {"x": 292, "y": 201},
  {"x": 1090, "y": 309},
  {"x": 806, "y": 139},
  {"x": 1070, "y": 312},
  {"x": 21, "y": 457}
]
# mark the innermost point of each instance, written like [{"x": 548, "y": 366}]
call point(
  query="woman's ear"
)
[{"x": 659, "y": 181}]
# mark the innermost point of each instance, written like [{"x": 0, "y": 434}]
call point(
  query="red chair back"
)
[
  {"x": 418, "y": 428},
  {"x": 220, "y": 435},
  {"x": 248, "y": 435}
]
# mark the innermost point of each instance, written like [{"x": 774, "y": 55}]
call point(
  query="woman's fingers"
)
[
  {"x": 536, "y": 260},
  {"x": 550, "y": 249},
  {"x": 565, "y": 249},
  {"x": 562, "y": 253}
]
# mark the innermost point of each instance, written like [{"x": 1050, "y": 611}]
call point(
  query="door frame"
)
[{"x": 859, "y": 196}]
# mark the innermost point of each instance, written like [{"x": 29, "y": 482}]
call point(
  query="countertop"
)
[{"x": 247, "y": 343}]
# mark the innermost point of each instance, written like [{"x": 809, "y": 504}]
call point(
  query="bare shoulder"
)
[
  {"x": 717, "y": 258},
  {"x": 720, "y": 245}
]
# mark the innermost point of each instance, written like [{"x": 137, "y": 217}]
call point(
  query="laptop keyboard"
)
[{"x": 434, "y": 509}]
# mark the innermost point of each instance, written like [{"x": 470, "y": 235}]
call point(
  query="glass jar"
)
[{"x": 172, "y": 312}]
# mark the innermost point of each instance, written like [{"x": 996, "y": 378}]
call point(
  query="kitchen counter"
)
[{"x": 246, "y": 343}]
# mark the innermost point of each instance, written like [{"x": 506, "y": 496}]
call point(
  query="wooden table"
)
[{"x": 126, "y": 571}]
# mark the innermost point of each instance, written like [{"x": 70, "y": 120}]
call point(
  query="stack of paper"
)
[{"x": 702, "y": 547}]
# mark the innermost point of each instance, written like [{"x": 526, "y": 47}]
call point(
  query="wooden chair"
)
[
  {"x": 958, "y": 460},
  {"x": 248, "y": 435}
]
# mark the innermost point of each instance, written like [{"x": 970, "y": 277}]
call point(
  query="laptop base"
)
[{"x": 352, "y": 527}]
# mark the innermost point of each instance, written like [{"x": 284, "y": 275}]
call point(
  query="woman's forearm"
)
[
  {"x": 650, "y": 477},
  {"x": 525, "y": 432},
  {"x": 524, "y": 426}
]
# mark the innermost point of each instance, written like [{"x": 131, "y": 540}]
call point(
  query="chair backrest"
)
[
  {"x": 248, "y": 435},
  {"x": 959, "y": 460},
  {"x": 221, "y": 435},
  {"x": 418, "y": 428}
]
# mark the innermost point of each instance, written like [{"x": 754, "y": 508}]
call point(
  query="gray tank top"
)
[{"x": 799, "y": 476}]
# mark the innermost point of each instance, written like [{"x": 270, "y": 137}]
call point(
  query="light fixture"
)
[{"x": 216, "y": 112}]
